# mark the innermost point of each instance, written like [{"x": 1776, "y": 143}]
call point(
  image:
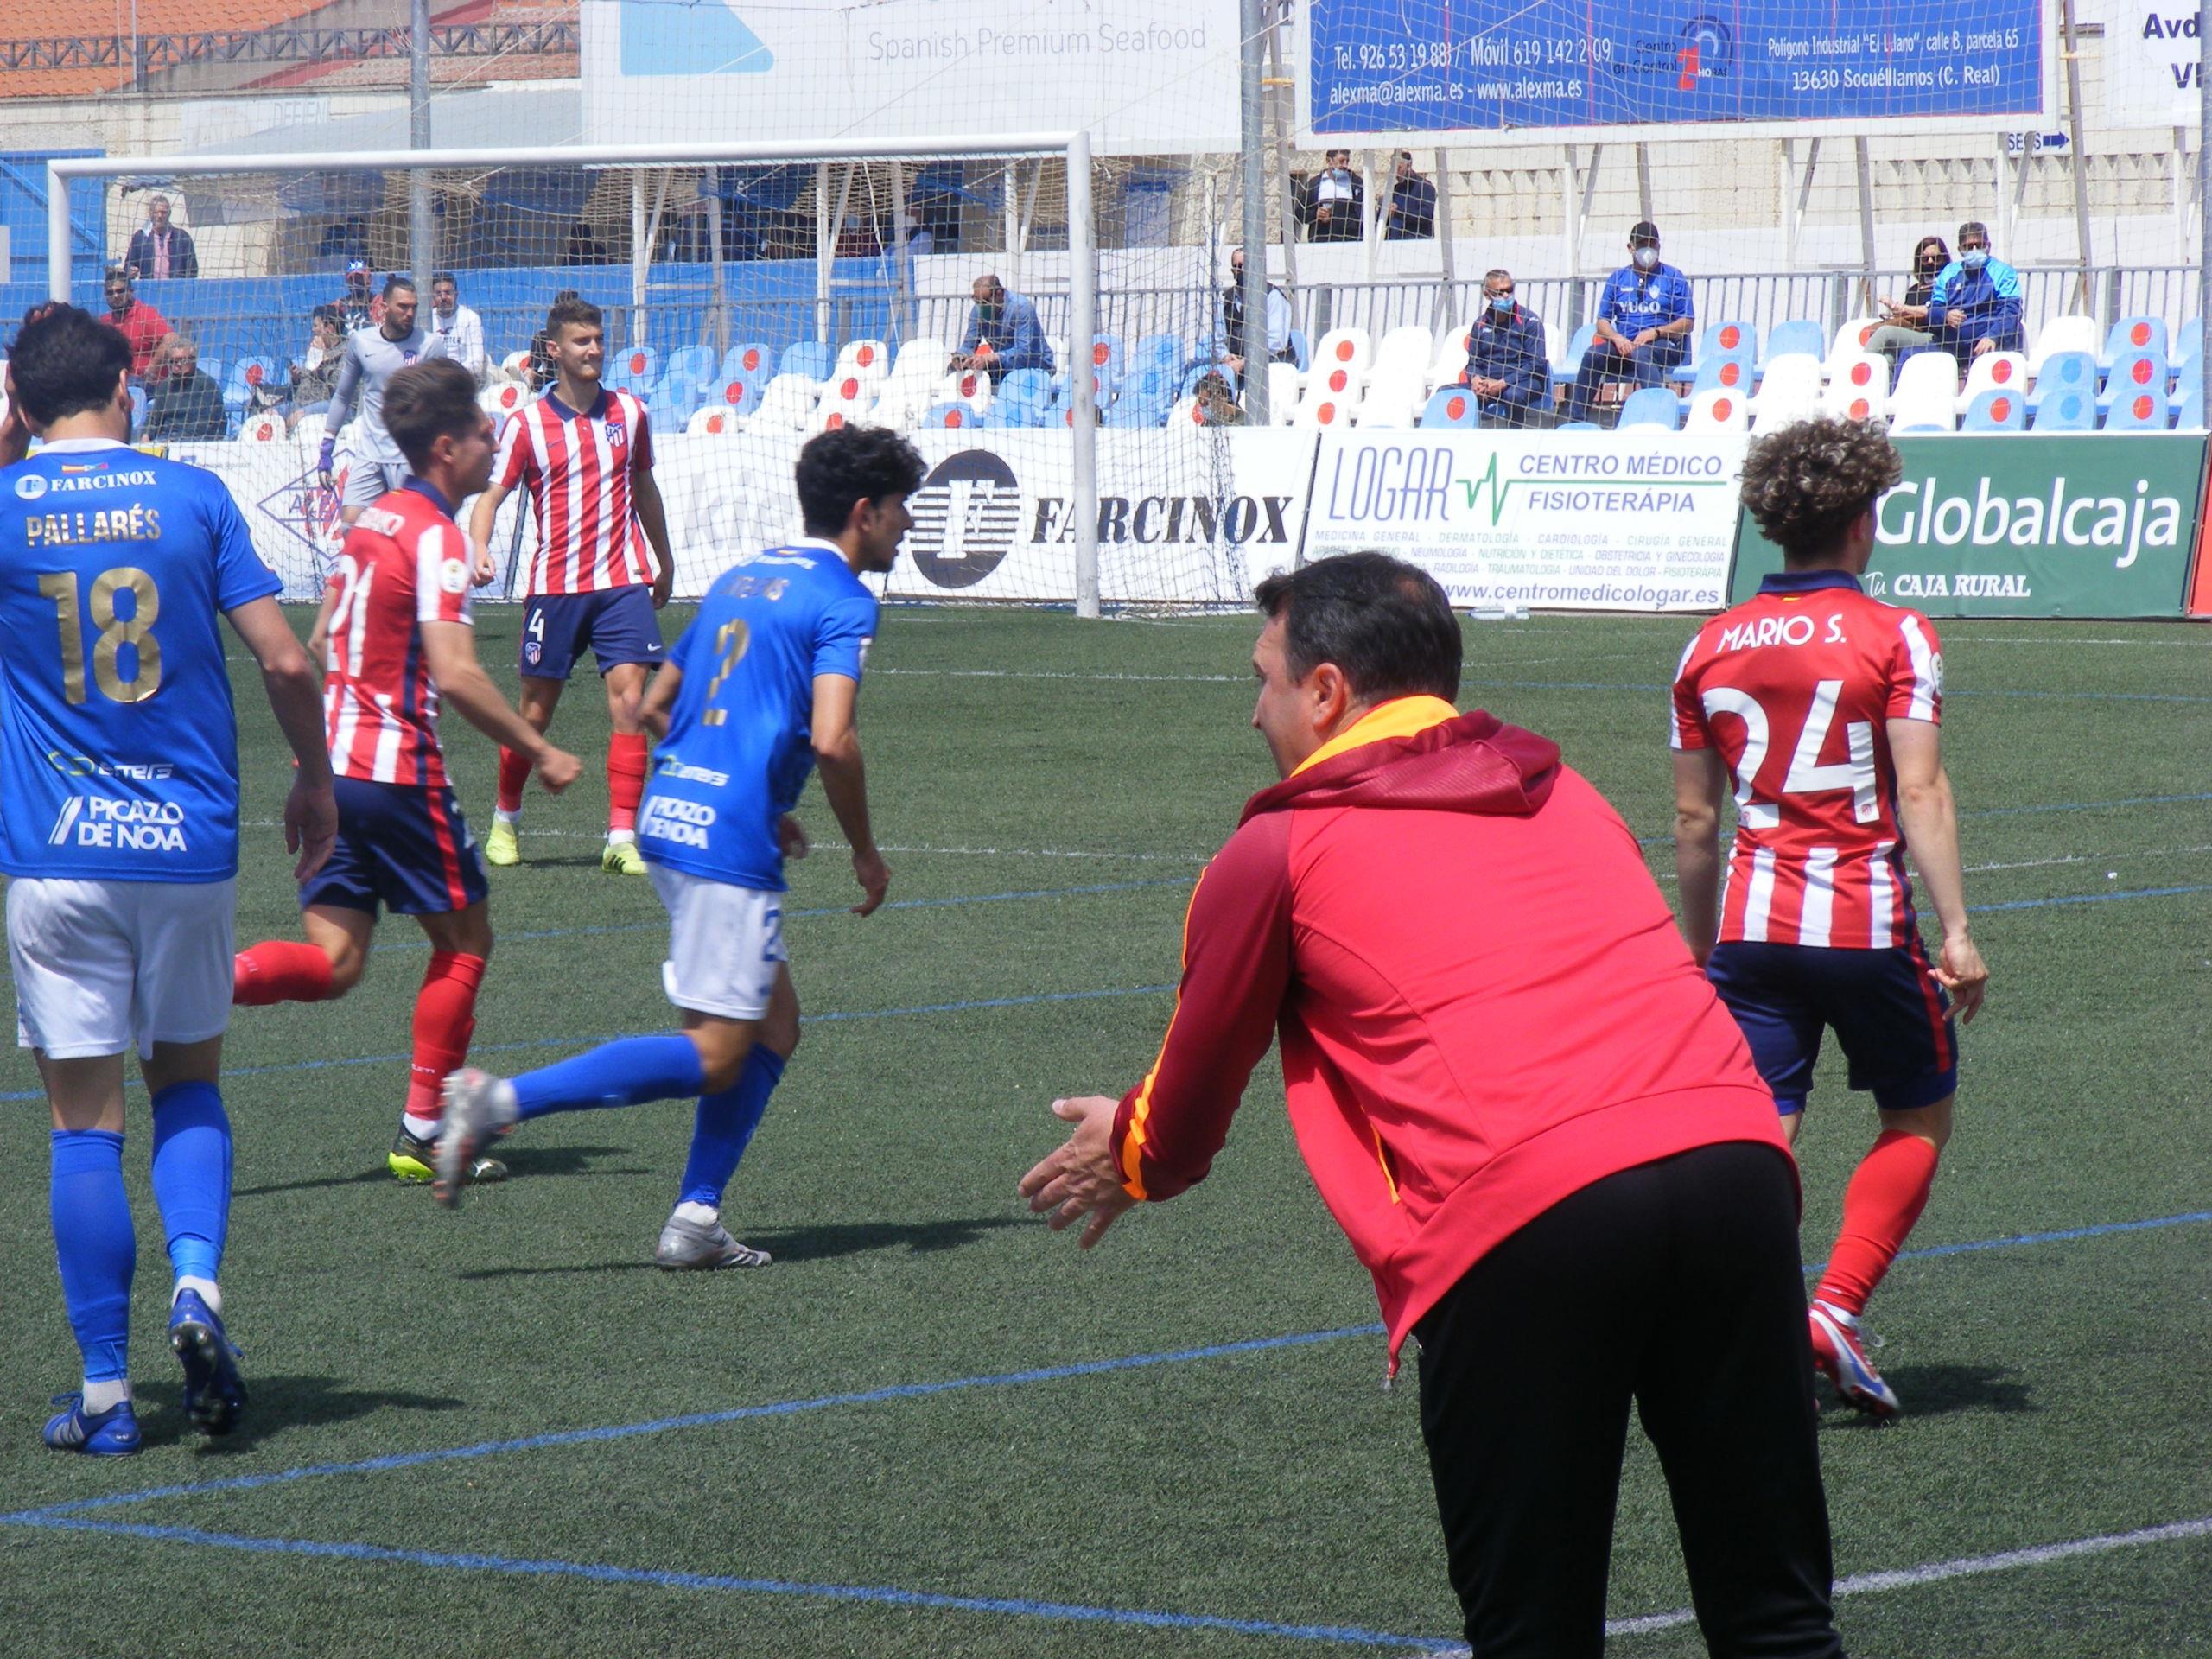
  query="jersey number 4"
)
[
  {"x": 136, "y": 631},
  {"x": 1806, "y": 776}
]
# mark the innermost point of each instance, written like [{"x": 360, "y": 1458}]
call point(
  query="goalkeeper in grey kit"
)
[{"x": 371, "y": 357}]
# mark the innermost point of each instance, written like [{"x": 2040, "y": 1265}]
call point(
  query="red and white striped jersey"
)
[
  {"x": 579, "y": 468},
  {"x": 405, "y": 564},
  {"x": 1796, "y": 688}
]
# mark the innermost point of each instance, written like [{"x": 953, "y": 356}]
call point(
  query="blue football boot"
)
[
  {"x": 110, "y": 1434},
  {"x": 214, "y": 1393}
]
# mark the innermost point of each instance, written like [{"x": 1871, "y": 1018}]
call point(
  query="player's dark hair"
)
[
  {"x": 570, "y": 307},
  {"x": 850, "y": 464},
  {"x": 1384, "y": 623},
  {"x": 1808, "y": 483},
  {"x": 424, "y": 401},
  {"x": 394, "y": 283},
  {"x": 65, "y": 362}
]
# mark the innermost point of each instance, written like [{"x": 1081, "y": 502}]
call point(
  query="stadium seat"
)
[
  {"x": 1023, "y": 397},
  {"x": 1579, "y": 426},
  {"x": 1996, "y": 409},
  {"x": 977, "y": 389},
  {"x": 1345, "y": 352},
  {"x": 247, "y": 373},
  {"x": 2067, "y": 411},
  {"x": 2134, "y": 334},
  {"x": 1452, "y": 406},
  {"x": 504, "y": 399},
  {"x": 1728, "y": 374},
  {"x": 1321, "y": 408},
  {"x": 138, "y": 410},
  {"x": 1142, "y": 410},
  {"x": 1995, "y": 372},
  {"x": 1924, "y": 377},
  {"x": 2133, "y": 374},
  {"x": 714, "y": 420},
  {"x": 742, "y": 396},
  {"x": 1159, "y": 352},
  {"x": 1792, "y": 379},
  {"x": 2188, "y": 410},
  {"x": 1729, "y": 338},
  {"x": 867, "y": 359},
  {"x": 1720, "y": 410},
  {"x": 1186, "y": 412},
  {"x": 747, "y": 360},
  {"x": 1651, "y": 406},
  {"x": 1402, "y": 353},
  {"x": 675, "y": 399},
  {"x": 1567, "y": 367},
  {"x": 2064, "y": 371},
  {"x": 809, "y": 358},
  {"x": 2136, "y": 410},
  {"x": 1282, "y": 393},
  {"x": 1858, "y": 389},
  {"x": 786, "y": 404},
  {"x": 1109, "y": 359},
  {"x": 850, "y": 396},
  {"x": 916, "y": 381},
  {"x": 2069, "y": 334},
  {"x": 265, "y": 428},
  {"x": 1850, "y": 343},
  {"x": 1923, "y": 408},
  {"x": 1797, "y": 335},
  {"x": 2188, "y": 355},
  {"x": 1301, "y": 349},
  {"x": 1450, "y": 359},
  {"x": 944, "y": 414},
  {"x": 633, "y": 369},
  {"x": 1397, "y": 389},
  {"x": 693, "y": 363}
]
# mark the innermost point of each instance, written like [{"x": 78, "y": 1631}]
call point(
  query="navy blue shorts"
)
[
  {"x": 401, "y": 846},
  {"x": 1884, "y": 1006},
  {"x": 619, "y": 626}
]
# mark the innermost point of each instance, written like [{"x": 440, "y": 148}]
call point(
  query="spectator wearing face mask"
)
[
  {"x": 1334, "y": 208},
  {"x": 1644, "y": 321},
  {"x": 1507, "y": 369},
  {"x": 1905, "y": 325},
  {"x": 1975, "y": 308},
  {"x": 1003, "y": 332}
]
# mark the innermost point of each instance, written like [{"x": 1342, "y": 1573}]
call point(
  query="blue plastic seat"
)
[
  {"x": 1730, "y": 337},
  {"x": 2134, "y": 334},
  {"x": 247, "y": 373},
  {"x": 1723, "y": 374},
  {"x": 950, "y": 415},
  {"x": 810, "y": 358},
  {"x": 693, "y": 363},
  {"x": 1023, "y": 399},
  {"x": 1576, "y": 348},
  {"x": 2136, "y": 410},
  {"x": 2133, "y": 374},
  {"x": 2000, "y": 410},
  {"x": 1797, "y": 335},
  {"x": 2067, "y": 411},
  {"x": 2065, "y": 371},
  {"x": 748, "y": 360},
  {"x": 1651, "y": 406},
  {"x": 1158, "y": 350},
  {"x": 2189, "y": 410},
  {"x": 1452, "y": 406},
  {"x": 633, "y": 369}
]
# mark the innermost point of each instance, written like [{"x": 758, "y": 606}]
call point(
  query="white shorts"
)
[
  {"x": 725, "y": 944},
  {"x": 367, "y": 480},
  {"x": 102, "y": 966}
]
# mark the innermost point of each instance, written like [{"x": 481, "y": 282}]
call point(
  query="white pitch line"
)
[{"x": 1911, "y": 1578}]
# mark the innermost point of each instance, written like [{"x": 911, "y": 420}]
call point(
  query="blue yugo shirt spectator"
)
[{"x": 1967, "y": 306}]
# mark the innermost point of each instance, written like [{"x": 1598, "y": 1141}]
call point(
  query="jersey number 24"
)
[{"x": 1806, "y": 776}]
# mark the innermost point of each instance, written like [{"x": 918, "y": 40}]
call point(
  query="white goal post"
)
[{"x": 1074, "y": 148}]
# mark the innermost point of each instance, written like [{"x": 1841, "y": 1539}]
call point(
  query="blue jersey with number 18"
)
[
  {"x": 738, "y": 750},
  {"x": 118, "y": 748}
]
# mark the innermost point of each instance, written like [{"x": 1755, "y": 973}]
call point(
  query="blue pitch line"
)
[
  {"x": 696, "y": 1419},
  {"x": 968, "y": 1007},
  {"x": 2091, "y": 898},
  {"x": 882, "y": 1595}
]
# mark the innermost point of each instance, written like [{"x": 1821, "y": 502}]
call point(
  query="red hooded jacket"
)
[{"x": 1483, "y": 1000}]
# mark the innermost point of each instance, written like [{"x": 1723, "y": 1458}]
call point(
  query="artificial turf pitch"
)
[{"x": 1047, "y": 789}]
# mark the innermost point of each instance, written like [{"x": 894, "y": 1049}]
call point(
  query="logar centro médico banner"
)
[
  {"x": 1615, "y": 521},
  {"x": 2097, "y": 525}
]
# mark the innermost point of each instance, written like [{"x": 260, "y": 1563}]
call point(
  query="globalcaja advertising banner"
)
[
  {"x": 1396, "y": 74},
  {"x": 1602, "y": 521},
  {"x": 2099, "y": 525}
]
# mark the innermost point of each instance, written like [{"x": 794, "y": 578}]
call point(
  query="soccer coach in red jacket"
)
[{"x": 1519, "y": 1099}]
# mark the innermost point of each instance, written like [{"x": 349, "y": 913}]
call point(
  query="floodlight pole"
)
[
  {"x": 422, "y": 228},
  {"x": 1083, "y": 406}
]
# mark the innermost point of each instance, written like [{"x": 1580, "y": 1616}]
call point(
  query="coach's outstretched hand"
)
[{"x": 1080, "y": 1178}]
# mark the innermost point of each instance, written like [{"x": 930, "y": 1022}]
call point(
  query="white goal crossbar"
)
[{"x": 1074, "y": 147}]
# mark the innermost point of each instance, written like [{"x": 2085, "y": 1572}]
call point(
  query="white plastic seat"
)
[
  {"x": 869, "y": 359},
  {"x": 1994, "y": 371},
  {"x": 1397, "y": 393},
  {"x": 1923, "y": 408},
  {"x": 716, "y": 420},
  {"x": 1450, "y": 358},
  {"x": 264, "y": 427},
  {"x": 1282, "y": 393},
  {"x": 1323, "y": 406},
  {"x": 1402, "y": 353},
  {"x": 1850, "y": 342},
  {"x": 1929, "y": 375},
  {"x": 787, "y": 405},
  {"x": 1722, "y": 409},
  {"x": 505, "y": 398},
  {"x": 2068, "y": 334},
  {"x": 914, "y": 383},
  {"x": 1793, "y": 378},
  {"x": 850, "y": 398},
  {"x": 1346, "y": 350},
  {"x": 1858, "y": 389}
]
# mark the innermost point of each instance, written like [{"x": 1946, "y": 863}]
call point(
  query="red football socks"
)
[
  {"x": 514, "y": 772},
  {"x": 445, "y": 1019},
  {"x": 279, "y": 970},
  {"x": 1885, "y": 1196},
  {"x": 625, "y": 778}
]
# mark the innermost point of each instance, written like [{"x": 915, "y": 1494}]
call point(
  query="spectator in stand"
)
[
  {"x": 1507, "y": 368},
  {"x": 137, "y": 322},
  {"x": 361, "y": 306},
  {"x": 1644, "y": 321},
  {"x": 160, "y": 249},
  {"x": 1975, "y": 308},
  {"x": 186, "y": 405},
  {"x": 315, "y": 372},
  {"x": 461, "y": 328},
  {"x": 1215, "y": 403},
  {"x": 1334, "y": 207},
  {"x": 1904, "y": 326},
  {"x": 1413, "y": 204},
  {"x": 1232, "y": 320},
  {"x": 1003, "y": 333}
]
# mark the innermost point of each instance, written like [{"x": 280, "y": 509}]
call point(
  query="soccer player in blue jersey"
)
[
  {"x": 118, "y": 832},
  {"x": 761, "y": 691}
]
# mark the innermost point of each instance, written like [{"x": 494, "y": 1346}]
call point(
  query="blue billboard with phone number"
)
[{"x": 1446, "y": 65}]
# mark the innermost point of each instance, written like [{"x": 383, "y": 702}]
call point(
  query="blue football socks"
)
[
  {"x": 621, "y": 1073},
  {"x": 95, "y": 1246},
  {"x": 725, "y": 1124},
  {"x": 191, "y": 1176}
]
